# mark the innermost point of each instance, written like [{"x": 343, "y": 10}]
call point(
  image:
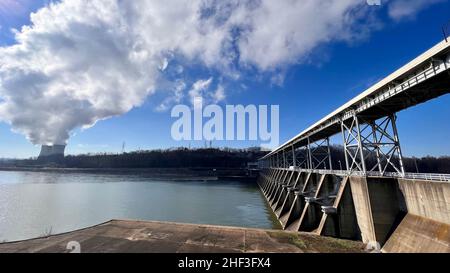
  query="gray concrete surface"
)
[
  {"x": 162, "y": 237},
  {"x": 417, "y": 234}
]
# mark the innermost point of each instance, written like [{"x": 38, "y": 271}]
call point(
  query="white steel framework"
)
[
  {"x": 372, "y": 146},
  {"x": 367, "y": 123}
]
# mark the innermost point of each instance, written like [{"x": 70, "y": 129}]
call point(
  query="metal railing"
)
[
  {"x": 428, "y": 176},
  {"x": 413, "y": 176}
]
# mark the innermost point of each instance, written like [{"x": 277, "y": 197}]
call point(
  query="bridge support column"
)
[
  {"x": 292, "y": 220},
  {"x": 301, "y": 156},
  {"x": 286, "y": 202},
  {"x": 279, "y": 199},
  {"x": 312, "y": 213},
  {"x": 270, "y": 182},
  {"x": 277, "y": 185},
  {"x": 339, "y": 218},
  {"x": 294, "y": 159},
  {"x": 320, "y": 154},
  {"x": 286, "y": 210},
  {"x": 310, "y": 164},
  {"x": 378, "y": 206},
  {"x": 372, "y": 146},
  {"x": 279, "y": 188}
]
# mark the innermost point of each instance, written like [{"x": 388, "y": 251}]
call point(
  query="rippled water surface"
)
[{"x": 33, "y": 204}]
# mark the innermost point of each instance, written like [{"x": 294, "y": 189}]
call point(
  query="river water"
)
[{"x": 34, "y": 204}]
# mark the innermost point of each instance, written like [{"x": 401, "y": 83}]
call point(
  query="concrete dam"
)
[
  {"x": 372, "y": 198},
  {"x": 369, "y": 203}
]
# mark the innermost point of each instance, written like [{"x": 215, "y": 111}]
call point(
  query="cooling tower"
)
[{"x": 52, "y": 150}]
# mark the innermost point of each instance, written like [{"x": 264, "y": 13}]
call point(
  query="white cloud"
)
[
  {"x": 76, "y": 65},
  {"x": 401, "y": 9},
  {"x": 164, "y": 64},
  {"x": 285, "y": 32},
  {"x": 199, "y": 88},
  {"x": 83, "y": 61},
  {"x": 176, "y": 97},
  {"x": 219, "y": 95}
]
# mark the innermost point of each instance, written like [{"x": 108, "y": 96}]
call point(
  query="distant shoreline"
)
[{"x": 172, "y": 174}]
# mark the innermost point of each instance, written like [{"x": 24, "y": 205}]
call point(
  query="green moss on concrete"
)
[
  {"x": 288, "y": 238},
  {"x": 314, "y": 243}
]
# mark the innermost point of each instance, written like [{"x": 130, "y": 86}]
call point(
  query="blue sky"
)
[{"x": 322, "y": 76}]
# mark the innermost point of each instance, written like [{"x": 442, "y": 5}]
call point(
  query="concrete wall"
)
[
  {"x": 426, "y": 227},
  {"x": 427, "y": 199}
]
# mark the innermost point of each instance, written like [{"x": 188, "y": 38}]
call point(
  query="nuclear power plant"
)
[{"x": 52, "y": 151}]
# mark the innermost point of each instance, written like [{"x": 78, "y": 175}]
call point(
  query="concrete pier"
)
[
  {"x": 162, "y": 237},
  {"x": 390, "y": 214}
]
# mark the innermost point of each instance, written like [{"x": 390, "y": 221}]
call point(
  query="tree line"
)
[
  {"x": 207, "y": 158},
  {"x": 171, "y": 158}
]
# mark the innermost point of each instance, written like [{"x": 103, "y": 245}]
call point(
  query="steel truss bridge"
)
[{"x": 367, "y": 124}]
